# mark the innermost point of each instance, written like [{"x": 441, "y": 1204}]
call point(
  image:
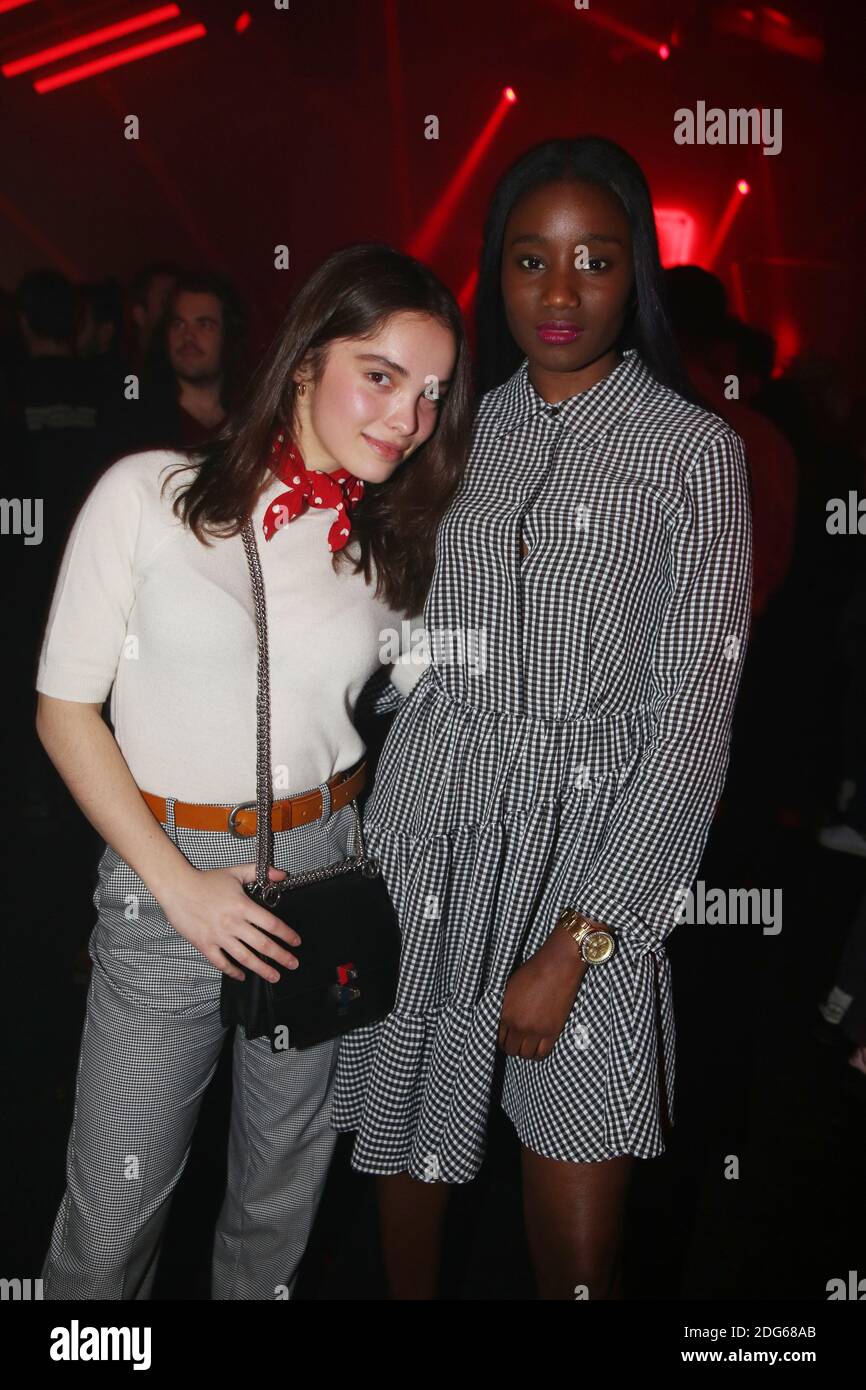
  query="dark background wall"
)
[{"x": 308, "y": 129}]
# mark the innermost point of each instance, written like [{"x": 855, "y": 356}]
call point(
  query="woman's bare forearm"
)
[{"x": 83, "y": 749}]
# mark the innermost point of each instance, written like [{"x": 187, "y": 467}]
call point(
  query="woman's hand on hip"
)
[
  {"x": 539, "y": 997},
  {"x": 210, "y": 908}
]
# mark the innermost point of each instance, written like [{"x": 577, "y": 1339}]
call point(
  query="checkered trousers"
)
[{"x": 151, "y": 1042}]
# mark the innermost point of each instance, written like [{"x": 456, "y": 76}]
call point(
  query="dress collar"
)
[{"x": 591, "y": 413}]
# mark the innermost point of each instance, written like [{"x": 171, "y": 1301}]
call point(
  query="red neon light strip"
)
[
  {"x": 424, "y": 240},
  {"x": 735, "y": 202},
  {"x": 13, "y": 5},
  {"x": 91, "y": 40},
  {"x": 467, "y": 291},
  {"x": 675, "y": 229},
  {"x": 624, "y": 31},
  {"x": 116, "y": 60}
]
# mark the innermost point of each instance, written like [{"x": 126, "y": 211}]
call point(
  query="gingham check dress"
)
[{"x": 567, "y": 748}]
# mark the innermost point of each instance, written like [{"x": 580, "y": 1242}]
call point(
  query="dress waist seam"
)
[{"x": 642, "y": 714}]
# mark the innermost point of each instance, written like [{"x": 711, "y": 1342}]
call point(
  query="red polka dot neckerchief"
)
[{"x": 310, "y": 487}]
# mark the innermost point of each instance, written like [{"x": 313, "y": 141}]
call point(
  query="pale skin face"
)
[
  {"x": 195, "y": 337},
  {"x": 372, "y": 391}
]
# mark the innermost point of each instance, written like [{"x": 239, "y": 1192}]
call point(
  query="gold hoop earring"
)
[{"x": 302, "y": 388}]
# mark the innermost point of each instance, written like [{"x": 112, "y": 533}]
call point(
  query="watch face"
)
[{"x": 597, "y": 946}]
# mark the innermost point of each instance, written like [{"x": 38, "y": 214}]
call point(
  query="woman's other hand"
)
[{"x": 540, "y": 996}]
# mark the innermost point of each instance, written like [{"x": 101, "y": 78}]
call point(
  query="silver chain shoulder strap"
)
[{"x": 264, "y": 796}]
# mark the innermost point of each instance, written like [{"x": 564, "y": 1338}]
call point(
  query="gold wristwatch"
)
[{"x": 596, "y": 943}]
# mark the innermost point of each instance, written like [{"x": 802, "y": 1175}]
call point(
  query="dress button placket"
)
[{"x": 551, "y": 412}]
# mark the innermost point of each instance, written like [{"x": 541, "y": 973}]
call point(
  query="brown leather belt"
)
[{"x": 285, "y": 815}]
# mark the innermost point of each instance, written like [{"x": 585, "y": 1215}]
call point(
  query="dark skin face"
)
[{"x": 540, "y": 282}]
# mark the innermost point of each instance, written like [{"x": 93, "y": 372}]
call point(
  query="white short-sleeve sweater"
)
[{"x": 165, "y": 624}]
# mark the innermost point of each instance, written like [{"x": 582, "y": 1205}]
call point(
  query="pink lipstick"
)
[{"x": 558, "y": 331}]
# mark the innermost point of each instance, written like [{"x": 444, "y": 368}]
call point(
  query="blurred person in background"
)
[
  {"x": 57, "y": 403},
  {"x": 712, "y": 343},
  {"x": 712, "y": 346},
  {"x": 193, "y": 371},
  {"x": 843, "y": 1010},
  {"x": 151, "y": 290},
  {"x": 99, "y": 342},
  {"x": 52, "y": 455},
  {"x": 100, "y": 321}
]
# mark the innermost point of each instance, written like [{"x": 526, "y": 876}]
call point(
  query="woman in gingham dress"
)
[
  {"x": 547, "y": 788},
  {"x": 341, "y": 453}
]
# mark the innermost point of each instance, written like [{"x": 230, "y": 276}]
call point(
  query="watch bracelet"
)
[{"x": 579, "y": 927}]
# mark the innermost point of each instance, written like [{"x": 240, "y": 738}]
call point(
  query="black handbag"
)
[{"x": 350, "y": 938}]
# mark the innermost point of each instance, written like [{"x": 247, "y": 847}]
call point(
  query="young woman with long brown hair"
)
[{"x": 344, "y": 459}]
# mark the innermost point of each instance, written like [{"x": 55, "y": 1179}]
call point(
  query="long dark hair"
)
[
  {"x": 351, "y": 295},
  {"x": 591, "y": 159}
]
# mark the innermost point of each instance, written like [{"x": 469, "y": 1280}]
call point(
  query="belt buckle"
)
[{"x": 241, "y": 806}]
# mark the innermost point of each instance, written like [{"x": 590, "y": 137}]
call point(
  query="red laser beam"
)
[
  {"x": 431, "y": 230},
  {"x": 725, "y": 221},
  {"x": 676, "y": 230},
  {"x": 123, "y": 56},
  {"x": 624, "y": 31},
  {"x": 45, "y": 246},
  {"x": 90, "y": 40},
  {"x": 467, "y": 291},
  {"x": 738, "y": 291},
  {"x": 6, "y": 5}
]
